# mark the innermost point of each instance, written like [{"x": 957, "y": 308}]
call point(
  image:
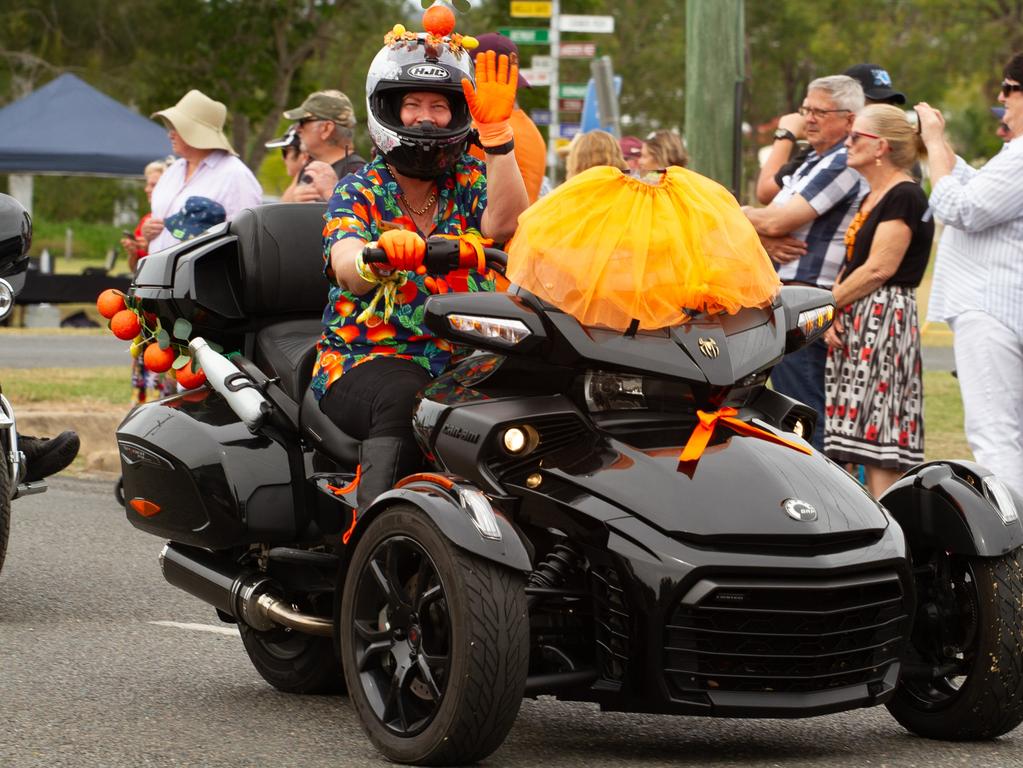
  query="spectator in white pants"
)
[{"x": 978, "y": 279}]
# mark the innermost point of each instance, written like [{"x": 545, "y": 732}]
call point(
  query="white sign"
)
[
  {"x": 599, "y": 24},
  {"x": 536, "y": 76},
  {"x": 543, "y": 63}
]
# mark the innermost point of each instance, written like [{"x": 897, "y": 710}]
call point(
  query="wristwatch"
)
[{"x": 784, "y": 133}]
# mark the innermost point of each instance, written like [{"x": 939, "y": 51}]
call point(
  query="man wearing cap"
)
[
  {"x": 530, "y": 148},
  {"x": 207, "y": 168},
  {"x": 803, "y": 229},
  {"x": 783, "y": 160},
  {"x": 326, "y": 129}
]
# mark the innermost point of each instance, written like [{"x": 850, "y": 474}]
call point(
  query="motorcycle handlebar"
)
[{"x": 442, "y": 256}]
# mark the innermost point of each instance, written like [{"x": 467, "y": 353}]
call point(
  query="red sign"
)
[
  {"x": 570, "y": 105},
  {"x": 577, "y": 50}
]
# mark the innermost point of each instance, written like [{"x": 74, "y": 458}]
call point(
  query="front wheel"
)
[
  {"x": 6, "y": 491},
  {"x": 969, "y": 633},
  {"x": 434, "y": 643}
]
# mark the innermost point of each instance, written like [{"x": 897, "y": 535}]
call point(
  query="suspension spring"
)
[{"x": 556, "y": 567}]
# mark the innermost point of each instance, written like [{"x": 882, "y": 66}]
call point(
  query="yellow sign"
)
[{"x": 521, "y": 9}]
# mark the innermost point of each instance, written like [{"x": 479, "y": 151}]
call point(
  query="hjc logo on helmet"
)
[{"x": 428, "y": 72}]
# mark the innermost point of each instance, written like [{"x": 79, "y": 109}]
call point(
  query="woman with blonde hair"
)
[
  {"x": 660, "y": 150},
  {"x": 872, "y": 385},
  {"x": 591, "y": 149}
]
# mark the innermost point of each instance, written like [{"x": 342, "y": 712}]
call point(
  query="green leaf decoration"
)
[
  {"x": 182, "y": 329},
  {"x": 425, "y": 3},
  {"x": 419, "y": 315},
  {"x": 217, "y": 348},
  {"x": 180, "y": 362},
  {"x": 461, "y": 5},
  {"x": 163, "y": 339}
]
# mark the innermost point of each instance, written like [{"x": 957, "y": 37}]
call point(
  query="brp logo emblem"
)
[
  {"x": 799, "y": 510},
  {"x": 709, "y": 348}
]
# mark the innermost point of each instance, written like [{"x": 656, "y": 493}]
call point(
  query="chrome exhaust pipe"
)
[{"x": 241, "y": 593}]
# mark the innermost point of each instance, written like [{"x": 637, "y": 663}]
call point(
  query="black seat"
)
[
  {"x": 283, "y": 284},
  {"x": 287, "y": 350}
]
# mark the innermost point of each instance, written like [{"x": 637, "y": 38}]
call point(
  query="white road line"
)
[{"x": 197, "y": 627}]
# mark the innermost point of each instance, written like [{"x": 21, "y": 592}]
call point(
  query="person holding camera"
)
[{"x": 295, "y": 159}]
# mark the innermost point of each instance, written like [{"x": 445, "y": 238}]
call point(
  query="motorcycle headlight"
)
[
  {"x": 493, "y": 328},
  {"x": 813, "y": 322},
  {"x": 1000, "y": 496},
  {"x": 624, "y": 392}
]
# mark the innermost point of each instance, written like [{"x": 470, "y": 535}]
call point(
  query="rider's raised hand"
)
[
  {"x": 404, "y": 249},
  {"x": 492, "y": 100}
]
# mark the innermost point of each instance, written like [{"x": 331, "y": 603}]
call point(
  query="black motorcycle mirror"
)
[{"x": 809, "y": 312}]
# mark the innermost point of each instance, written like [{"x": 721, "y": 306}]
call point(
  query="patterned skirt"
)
[{"x": 873, "y": 386}]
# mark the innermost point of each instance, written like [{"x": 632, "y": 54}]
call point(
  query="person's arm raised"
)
[{"x": 491, "y": 103}]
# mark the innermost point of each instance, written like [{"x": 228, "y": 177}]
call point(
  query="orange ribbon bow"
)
[{"x": 704, "y": 430}]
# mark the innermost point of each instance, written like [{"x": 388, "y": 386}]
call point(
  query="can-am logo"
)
[{"x": 427, "y": 72}]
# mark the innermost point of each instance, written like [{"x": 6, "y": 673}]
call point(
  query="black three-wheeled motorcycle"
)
[{"x": 557, "y": 545}]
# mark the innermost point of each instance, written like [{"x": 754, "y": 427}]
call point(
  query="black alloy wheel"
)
[
  {"x": 969, "y": 634},
  {"x": 402, "y": 635},
  {"x": 434, "y": 643}
]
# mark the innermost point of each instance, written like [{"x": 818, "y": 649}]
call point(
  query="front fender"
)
[
  {"x": 443, "y": 506},
  {"x": 946, "y": 504}
]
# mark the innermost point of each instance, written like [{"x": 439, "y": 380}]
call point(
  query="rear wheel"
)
[
  {"x": 434, "y": 642},
  {"x": 969, "y": 633},
  {"x": 293, "y": 662}
]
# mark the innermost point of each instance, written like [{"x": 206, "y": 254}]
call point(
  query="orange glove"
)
[
  {"x": 404, "y": 249},
  {"x": 492, "y": 100}
]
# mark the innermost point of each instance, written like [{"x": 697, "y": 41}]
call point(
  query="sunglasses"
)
[
  {"x": 855, "y": 136},
  {"x": 1008, "y": 88}
]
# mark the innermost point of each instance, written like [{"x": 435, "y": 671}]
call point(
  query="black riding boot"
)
[
  {"x": 47, "y": 456},
  {"x": 384, "y": 461}
]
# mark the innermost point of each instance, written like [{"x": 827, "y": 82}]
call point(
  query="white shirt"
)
[
  {"x": 221, "y": 177},
  {"x": 980, "y": 256}
]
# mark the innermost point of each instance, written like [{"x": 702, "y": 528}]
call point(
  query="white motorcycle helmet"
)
[{"x": 421, "y": 151}]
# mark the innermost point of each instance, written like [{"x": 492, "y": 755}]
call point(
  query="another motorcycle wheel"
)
[
  {"x": 969, "y": 630},
  {"x": 6, "y": 491},
  {"x": 293, "y": 662},
  {"x": 434, "y": 643}
]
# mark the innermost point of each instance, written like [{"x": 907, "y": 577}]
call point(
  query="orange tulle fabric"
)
[{"x": 608, "y": 248}]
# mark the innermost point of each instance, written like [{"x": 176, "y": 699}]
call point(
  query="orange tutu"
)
[{"x": 608, "y": 248}]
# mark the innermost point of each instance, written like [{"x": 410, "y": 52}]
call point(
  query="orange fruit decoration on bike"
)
[
  {"x": 110, "y": 302},
  {"x": 125, "y": 325},
  {"x": 189, "y": 379},
  {"x": 158, "y": 360}
]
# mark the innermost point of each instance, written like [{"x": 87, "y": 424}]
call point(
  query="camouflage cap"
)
[{"x": 325, "y": 105}]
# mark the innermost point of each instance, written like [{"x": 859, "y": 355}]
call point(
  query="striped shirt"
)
[
  {"x": 834, "y": 191},
  {"x": 980, "y": 256}
]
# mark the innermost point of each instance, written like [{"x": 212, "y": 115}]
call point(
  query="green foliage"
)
[{"x": 91, "y": 240}]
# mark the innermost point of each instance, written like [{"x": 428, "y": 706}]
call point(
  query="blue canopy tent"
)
[{"x": 67, "y": 126}]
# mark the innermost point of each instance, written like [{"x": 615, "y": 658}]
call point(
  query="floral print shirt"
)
[{"x": 364, "y": 205}]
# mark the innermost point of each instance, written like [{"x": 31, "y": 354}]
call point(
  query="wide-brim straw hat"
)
[{"x": 199, "y": 120}]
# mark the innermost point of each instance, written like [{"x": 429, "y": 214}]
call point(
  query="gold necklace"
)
[{"x": 430, "y": 200}]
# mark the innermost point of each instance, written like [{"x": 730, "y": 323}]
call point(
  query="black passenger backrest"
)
[{"x": 282, "y": 259}]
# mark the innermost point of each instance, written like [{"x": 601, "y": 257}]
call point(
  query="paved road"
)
[
  {"x": 82, "y": 351},
  {"x": 87, "y": 678}
]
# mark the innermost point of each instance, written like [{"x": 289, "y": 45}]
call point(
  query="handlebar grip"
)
[{"x": 371, "y": 254}]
